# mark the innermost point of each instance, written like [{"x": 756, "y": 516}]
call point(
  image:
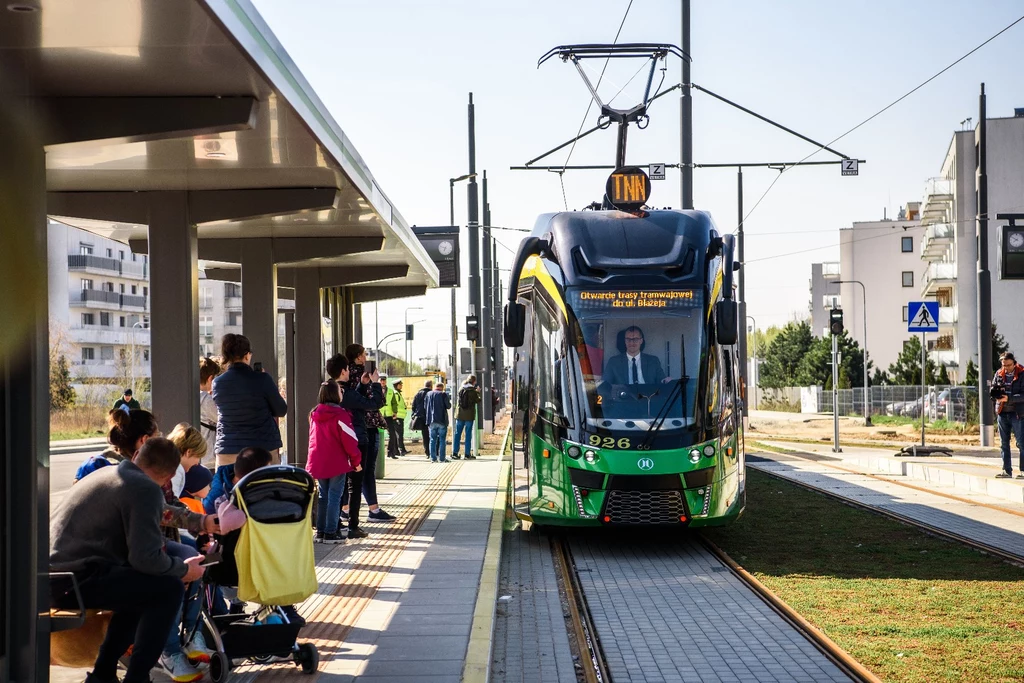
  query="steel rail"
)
[
  {"x": 924, "y": 526},
  {"x": 804, "y": 455},
  {"x": 584, "y": 630},
  {"x": 837, "y": 655}
]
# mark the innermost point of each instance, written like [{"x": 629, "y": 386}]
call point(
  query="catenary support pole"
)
[
  {"x": 487, "y": 310},
  {"x": 742, "y": 299},
  {"x": 835, "y": 395},
  {"x": 686, "y": 117},
  {"x": 473, "y": 221},
  {"x": 984, "y": 283}
]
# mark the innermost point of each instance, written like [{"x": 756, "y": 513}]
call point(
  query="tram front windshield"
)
[{"x": 639, "y": 353}]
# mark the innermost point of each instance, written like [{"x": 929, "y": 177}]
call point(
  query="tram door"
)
[{"x": 520, "y": 420}]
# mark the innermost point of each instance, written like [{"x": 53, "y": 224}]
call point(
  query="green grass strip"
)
[{"x": 908, "y": 606}]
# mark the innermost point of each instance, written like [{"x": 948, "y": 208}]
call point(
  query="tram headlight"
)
[
  {"x": 590, "y": 456},
  {"x": 709, "y": 451},
  {"x": 574, "y": 452},
  {"x": 694, "y": 456}
]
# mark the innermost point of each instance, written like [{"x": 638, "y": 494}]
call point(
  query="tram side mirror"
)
[
  {"x": 515, "y": 324},
  {"x": 727, "y": 321}
]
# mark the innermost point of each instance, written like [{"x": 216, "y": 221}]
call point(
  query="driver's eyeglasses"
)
[{"x": 634, "y": 338}]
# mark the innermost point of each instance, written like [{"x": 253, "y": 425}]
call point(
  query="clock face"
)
[
  {"x": 446, "y": 247},
  {"x": 1017, "y": 240}
]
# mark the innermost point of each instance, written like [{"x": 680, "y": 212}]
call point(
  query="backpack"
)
[{"x": 464, "y": 400}]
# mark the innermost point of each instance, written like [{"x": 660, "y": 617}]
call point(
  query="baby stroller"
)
[{"x": 270, "y": 560}]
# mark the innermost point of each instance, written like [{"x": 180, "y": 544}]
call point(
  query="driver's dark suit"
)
[{"x": 617, "y": 369}]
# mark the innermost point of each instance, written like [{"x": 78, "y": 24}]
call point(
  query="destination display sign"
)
[
  {"x": 628, "y": 188},
  {"x": 635, "y": 299}
]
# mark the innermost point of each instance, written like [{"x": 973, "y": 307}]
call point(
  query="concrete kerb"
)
[{"x": 477, "y": 667}]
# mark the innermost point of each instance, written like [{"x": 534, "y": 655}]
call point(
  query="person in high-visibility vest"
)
[{"x": 396, "y": 406}]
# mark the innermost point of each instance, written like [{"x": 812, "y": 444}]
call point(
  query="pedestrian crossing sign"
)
[{"x": 923, "y": 316}]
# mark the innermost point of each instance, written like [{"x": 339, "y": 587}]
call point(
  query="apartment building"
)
[
  {"x": 220, "y": 313},
  {"x": 950, "y": 244},
  {"x": 99, "y": 305}
]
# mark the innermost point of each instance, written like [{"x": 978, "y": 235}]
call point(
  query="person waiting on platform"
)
[
  {"x": 419, "y": 415},
  {"x": 107, "y": 532},
  {"x": 632, "y": 366},
  {"x": 1008, "y": 393}
]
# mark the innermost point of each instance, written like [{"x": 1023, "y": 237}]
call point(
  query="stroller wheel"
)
[
  {"x": 308, "y": 658},
  {"x": 219, "y": 667}
]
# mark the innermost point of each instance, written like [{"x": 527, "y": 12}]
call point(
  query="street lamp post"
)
[
  {"x": 455, "y": 323},
  {"x": 864, "y": 314},
  {"x": 408, "y": 342}
]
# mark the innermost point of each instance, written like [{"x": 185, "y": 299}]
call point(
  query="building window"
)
[
  {"x": 108, "y": 286},
  {"x": 145, "y": 291},
  {"x": 206, "y": 325},
  {"x": 145, "y": 355},
  {"x": 106, "y": 353},
  {"x": 232, "y": 290},
  {"x": 145, "y": 322},
  {"x": 135, "y": 289},
  {"x": 84, "y": 249},
  {"x": 905, "y": 313},
  {"x": 120, "y": 253},
  {"x": 907, "y": 245},
  {"x": 88, "y": 318},
  {"x": 88, "y": 353},
  {"x": 133, "y": 256},
  {"x": 122, "y": 321},
  {"x": 104, "y": 319},
  {"x": 908, "y": 278},
  {"x": 234, "y": 318},
  {"x": 86, "y": 284},
  {"x": 110, "y": 253}
]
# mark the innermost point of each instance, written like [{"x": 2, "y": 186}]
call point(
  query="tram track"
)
[
  {"x": 595, "y": 666},
  {"x": 905, "y": 519}
]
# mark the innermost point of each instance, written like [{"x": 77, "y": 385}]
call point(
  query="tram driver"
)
[{"x": 632, "y": 366}]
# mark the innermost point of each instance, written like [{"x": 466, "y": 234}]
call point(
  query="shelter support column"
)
[
  {"x": 259, "y": 301},
  {"x": 289, "y": 360},
  {"x": 174, "y": 306},
  {"x": 309, "y": 370}
]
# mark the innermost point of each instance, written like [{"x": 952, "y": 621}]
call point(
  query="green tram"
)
[{"x": 626, "y": 387}]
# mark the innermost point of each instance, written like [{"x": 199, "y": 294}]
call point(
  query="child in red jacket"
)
[{"x": 333, "y": 454}]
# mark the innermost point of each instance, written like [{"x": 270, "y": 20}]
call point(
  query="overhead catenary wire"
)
[{"x": 879, "y": 113}]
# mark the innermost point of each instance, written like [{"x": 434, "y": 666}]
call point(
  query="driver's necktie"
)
[{"x": 636, "y": 377}]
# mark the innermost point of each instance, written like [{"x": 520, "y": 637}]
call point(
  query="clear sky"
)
[{"x": 396, "y": 76}]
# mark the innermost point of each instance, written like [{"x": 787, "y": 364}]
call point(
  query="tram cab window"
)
[
  {"x": 549, "y": 364},
  {"x": 639, "y": 354}
]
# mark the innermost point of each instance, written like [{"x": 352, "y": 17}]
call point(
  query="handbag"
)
[{"x": 417, "y": 423}]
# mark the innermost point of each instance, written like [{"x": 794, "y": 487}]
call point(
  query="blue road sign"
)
[{"x": 923, "y": 316}]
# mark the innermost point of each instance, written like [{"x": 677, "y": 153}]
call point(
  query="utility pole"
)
[
  {"x": 486, "y": 327},
  {"x": 474, "y": 250},
  {"x": 984, "y": 283},
  {"x": 686, "y": 120},
  {"x": 742, "y": 299}
]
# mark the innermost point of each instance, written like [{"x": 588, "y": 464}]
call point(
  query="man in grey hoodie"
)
[{"x": 106, "y": 531}]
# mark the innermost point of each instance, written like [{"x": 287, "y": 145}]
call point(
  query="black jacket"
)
[
  {"x": 358, "y": 405},
  {"x": 248, "y": 401},
  {"x": 419, "y": 402}
]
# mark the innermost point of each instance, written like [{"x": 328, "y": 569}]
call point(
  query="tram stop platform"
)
[{"x": 415, "y": 600}]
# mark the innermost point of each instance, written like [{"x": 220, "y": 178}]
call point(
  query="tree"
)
[
  {"x": 906, "y": 370},
  {"x": 62, "y": 394},
  {"x": 999, "y": 347},
  {"x": 784, "y": 354},
  {"x": 880, "y": 377},
  {"x": 971, "y": 374},
  {"x": 815, "y": 368}
]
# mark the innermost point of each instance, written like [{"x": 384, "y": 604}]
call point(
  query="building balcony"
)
[
  {"x": 233, "y": 302},
  {"x": 945, "y": 357},
  {"x": 133, "y": 302},
  {"x": 947, "y": 315},
  {"x": 829, "y": 301},
  {"x": 938, "y": 200},
  {"x": 830, "y": 270},
  {"x": 100, "y": 265},
  {"x": 108, "y": 369},
  {"x": 937, "y": 276},
  {"x": 936, "y": 241},
  {"x": 100, "y": 335},
  {"x": 102, "y": 299}
]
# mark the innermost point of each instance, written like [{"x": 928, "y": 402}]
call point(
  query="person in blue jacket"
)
[{"x": 249, "y": 404}]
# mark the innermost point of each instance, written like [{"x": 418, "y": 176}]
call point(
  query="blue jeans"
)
[
  {"x": 221, "y": 485},
  {"x": 459, "y": 426},
  {"x": 172, "y": 645},
  {"x": 438, "y": 433},
  {"x": 328, "y": 506},
  {"x": 1010, "y": 421}
]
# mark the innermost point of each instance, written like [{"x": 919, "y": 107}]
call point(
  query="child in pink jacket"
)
[{"x": 333, "y": 453}]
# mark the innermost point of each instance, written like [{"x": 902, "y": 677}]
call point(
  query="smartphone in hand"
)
[{"x": 257, "y": 366}]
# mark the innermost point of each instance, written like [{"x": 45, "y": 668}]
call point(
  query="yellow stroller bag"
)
[{"x": 274, "y": 553}]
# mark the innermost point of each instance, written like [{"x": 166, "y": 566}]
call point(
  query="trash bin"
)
[{"x": 381, "y": 452}]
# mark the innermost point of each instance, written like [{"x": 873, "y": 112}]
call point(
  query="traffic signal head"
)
[
  {"x": 835, "y": 321},
  {"x": 472, "y": 328}
]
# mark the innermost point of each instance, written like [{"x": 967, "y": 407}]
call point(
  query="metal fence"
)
[{"x": 953, "y": 403}]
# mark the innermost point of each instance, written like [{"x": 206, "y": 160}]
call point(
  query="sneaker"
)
[
  {"x": 319, "y": 538},
  {"x": 332, "y": 539},
  {"x": 357, "y": 533},
  {"x": 443, "y": 460},
  {"x": 293, "y": 615},
  {"x": 470, "y": 457},
  {"x": 344, "y": 516},
  {"x": 1020, "y": 475},
  {"x": 197, "y": 651},
  {"x": 379, "y": 515},
  {"x": 1004, "y": 475},
  {"x": 433, "y": 460},
  {"x": 179, "y": 668},
  {"x": 456, "y": 456}
]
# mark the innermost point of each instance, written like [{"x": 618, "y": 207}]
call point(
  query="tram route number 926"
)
[{"x": 609, "y": 442}]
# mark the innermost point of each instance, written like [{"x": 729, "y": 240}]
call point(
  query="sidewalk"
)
[
  {"x": 991, "y": 521},
  {"x": 400, "y": 605}
]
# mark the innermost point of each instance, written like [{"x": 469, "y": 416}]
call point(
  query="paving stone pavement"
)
[
  {"x": 531, "y": 644},
  {"x": 667, "y": 611},
  {"x": 964, "y": 517}
]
